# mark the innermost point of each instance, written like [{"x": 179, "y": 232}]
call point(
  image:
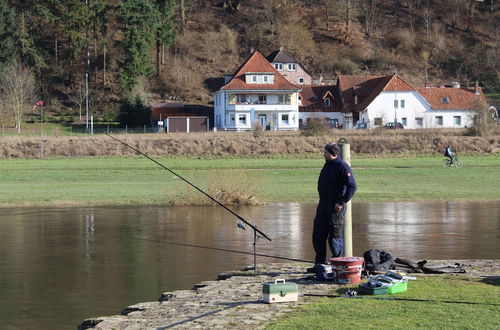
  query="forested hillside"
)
[{"x": 179, "y": 49}]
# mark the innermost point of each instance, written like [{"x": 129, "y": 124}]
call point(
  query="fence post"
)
[{"x": 346, "y": 156}]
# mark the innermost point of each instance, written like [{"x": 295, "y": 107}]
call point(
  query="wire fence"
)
[{"x": 73, "y": 130}]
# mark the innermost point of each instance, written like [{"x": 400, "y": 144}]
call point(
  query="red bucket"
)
[
  {"x": 344, "y": 277},
  {"x": 352, "y": 265}
]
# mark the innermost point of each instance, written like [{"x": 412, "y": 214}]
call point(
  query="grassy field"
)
[
  {"x": 136, "y": 180},
  {"x": 368, "y": 313}
]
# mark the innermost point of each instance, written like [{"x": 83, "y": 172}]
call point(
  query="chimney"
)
[
  {"x": 476, "y": 89},
  {"x": 252, "y": 50},
  {"x": 281, "y": 48},
  {"x": 455, "y": 84},
  {"x": 355, "y": 99}
]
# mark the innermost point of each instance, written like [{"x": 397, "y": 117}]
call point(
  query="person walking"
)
[{"x": 336, "y": 186}]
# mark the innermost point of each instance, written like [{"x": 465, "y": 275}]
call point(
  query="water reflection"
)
[{"x": 59, "y": 266}]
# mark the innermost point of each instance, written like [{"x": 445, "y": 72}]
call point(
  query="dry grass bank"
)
[{"x": 375, "y": 143}]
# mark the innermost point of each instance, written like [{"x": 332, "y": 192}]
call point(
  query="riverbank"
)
[
  {"x": 372, "y": 143},
  {"x": 234, "y": 300}
]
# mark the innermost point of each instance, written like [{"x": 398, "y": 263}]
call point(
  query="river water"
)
[{"x": 60, "y": 266}]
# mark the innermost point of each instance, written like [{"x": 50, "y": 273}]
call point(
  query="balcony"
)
[{"x": 262, "y": 107}]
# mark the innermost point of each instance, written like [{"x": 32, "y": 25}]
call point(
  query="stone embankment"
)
[{"x": 235, "y": 300}]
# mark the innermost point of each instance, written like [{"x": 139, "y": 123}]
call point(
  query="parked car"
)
[{"x": 392, "y": 126}]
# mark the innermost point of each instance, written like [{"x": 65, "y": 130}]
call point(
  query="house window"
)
[
  {"x": 445, "y": 100},
  {"x": 377, "y": 121},
  {"x": 404, "y": 121},
  {"x": 242, "y": 98},
  {"x": 288, "y": 99},
  {"x": 266, "y": 79},
  {"x": 327, "y": 102},
  {"x": 278, "y": 66},
  {"x": 262, "y": 99},
  {"x": 232, "y": 119},
  {"x": 457, "y": 120},
  {"x": 254, "y": 79},
  {"x": 438, "y": 120},
  {"x": 301, "y": 80},
  {"x": 395, "y": 103},
  {"x": 402, "y": 103},
  {"x": 281, "y": 99},
  {"x": 284, "y": 119},
  {"x": 419, "y": 121},
  {"x": 292, "y": 66},
  {"x": 242, "y": 119}
]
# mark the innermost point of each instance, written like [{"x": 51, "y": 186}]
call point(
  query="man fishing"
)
[{"x": 336, "y": 186}]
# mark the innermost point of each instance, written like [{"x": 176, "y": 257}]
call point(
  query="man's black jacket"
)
[{"x": 336, "y": 183}]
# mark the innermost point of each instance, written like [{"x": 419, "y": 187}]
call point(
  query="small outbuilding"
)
[{"x": 170, "y": 117}]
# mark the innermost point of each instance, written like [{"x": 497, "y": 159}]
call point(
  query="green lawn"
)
[
  {"x": 136, "y": 180},
  {"x": 369, "y": 313}
]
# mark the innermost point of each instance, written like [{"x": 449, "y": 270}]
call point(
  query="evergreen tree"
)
[
  {"x": 165, "y": 33},
  {"x": 133, "y": 112},
  {"x": 139, "y": 20},
  {"x": 8, "y": 32}
]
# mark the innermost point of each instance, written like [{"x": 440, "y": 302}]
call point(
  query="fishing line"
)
[
  {"x": 192, "y": 185},
  {"x": 213, "y": 248},
  {"x": 402, "y": 299},
  {"x": 231, "y": 305}
]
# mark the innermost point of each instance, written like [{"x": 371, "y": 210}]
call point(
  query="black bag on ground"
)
[{"x": 377, "y": 261}]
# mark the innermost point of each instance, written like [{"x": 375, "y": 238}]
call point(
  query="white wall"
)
[
  {"x": 415, "y": 107},
  {"x": 383, "y": 107}
]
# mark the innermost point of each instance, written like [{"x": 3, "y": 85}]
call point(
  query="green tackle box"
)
[
  {"x": 363, "y": 289},
  {"x": 398, "y": 287},
  {"x": 280, "y": 291}
]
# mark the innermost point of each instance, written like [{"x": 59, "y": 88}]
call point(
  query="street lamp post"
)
[{"x": 41, "y": 134}]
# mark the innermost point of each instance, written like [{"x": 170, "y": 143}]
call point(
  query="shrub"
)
[{"x": 316, "y": 128}]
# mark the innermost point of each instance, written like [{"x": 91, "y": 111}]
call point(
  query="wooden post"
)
[{"x": 346, "y": 156}]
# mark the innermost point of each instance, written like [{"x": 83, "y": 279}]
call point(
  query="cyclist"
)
[{"x": 449, "y": 153}]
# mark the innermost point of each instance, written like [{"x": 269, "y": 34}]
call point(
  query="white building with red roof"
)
[
  {"x": 373, "y": 101},
  {"x": 256, "y": 93}
]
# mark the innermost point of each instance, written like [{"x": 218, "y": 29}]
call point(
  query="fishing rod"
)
[
  {"x": 352, "y": 294},
  {"x": 213, "y": 248},
  {"x": 240, "y": 225}
]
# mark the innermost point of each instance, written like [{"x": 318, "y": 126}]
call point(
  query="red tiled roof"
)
[
  {"x": 367, "y": 88},
  {"x": 457, "y": 98},
  {"x": 258, "y": 63},
  {"x": 312, "y": 96}
]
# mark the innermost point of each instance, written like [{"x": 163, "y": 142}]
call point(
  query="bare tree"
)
[{"x": 17, "y": 90}]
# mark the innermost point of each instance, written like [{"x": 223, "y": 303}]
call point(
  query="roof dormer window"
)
[
  {"x": 445, "y": 100},
  {"x": 327, "y": 102}
]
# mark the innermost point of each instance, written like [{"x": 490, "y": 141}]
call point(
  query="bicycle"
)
[{"x": 453, "y": 162}]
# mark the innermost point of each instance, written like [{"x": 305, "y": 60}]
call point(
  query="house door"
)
[{"x": 263, "y": 120}]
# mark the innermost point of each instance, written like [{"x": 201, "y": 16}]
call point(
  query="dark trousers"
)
[{"x": 327, "y": 228}]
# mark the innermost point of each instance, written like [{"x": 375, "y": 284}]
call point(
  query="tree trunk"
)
[
  {"x": 348, "y": 15},
  {"x": 182, "y": 9},
  {"x": 470, "y": 17},
  {"x": 104, "y": 65},
  {"x": 158, "y": 58},
  {"x": 55, "y": 48}
]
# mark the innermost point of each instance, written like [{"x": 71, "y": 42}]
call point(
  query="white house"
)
[
  {"x": 373, "y": 101},
  {"x": 289, "y": 67},
  {"x": 256, "y": 93}
]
